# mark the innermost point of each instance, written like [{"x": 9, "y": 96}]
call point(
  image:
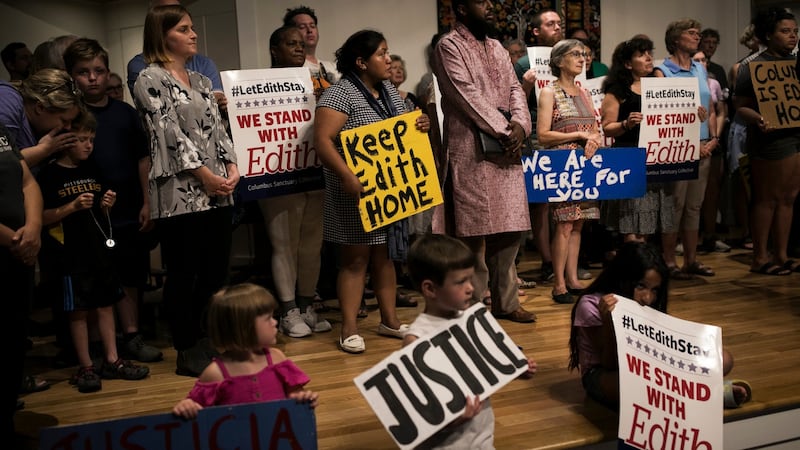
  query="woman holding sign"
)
[
  {"x": 773, "y": 152},
  {"x": 192, "y": 177},
  {"x": 566, "y": 121},
  {"x": 294, "y": 223},
  {"x": 363, "y": 96},
  {"x": 621, "y": 113},
  {"x": 682, "y": 39}
]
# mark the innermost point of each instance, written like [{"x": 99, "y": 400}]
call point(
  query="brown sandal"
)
[{"x": 697, "y": 268}]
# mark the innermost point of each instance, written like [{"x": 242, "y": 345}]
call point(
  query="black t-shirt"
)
[
  {"x": 119, "y": 144},
  {"x": 12, "y": 201},
  {"x": 76, "y": 244}
]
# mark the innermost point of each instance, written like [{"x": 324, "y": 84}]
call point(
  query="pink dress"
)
[
  {"x": 272, "y": 383},
  {"x": 571, "y": 114}
]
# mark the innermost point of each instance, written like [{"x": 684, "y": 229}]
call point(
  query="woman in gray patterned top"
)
[{"x": 191, "y": 179}]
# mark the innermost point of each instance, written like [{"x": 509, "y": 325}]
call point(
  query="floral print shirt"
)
[{"x": 186, "y": 132}]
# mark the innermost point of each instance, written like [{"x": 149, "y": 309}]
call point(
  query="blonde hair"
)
[
  {"x": 158, "y": 22},
  {"x": 53, "y": 88},
  {"x": 232, "y": 314}
]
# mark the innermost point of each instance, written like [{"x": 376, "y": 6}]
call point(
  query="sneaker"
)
[
  {"x": 721, "y": 247},
  {"x": 135, "y": 348},
  {"x": 87, "y": 380},
  {"x": 314, "y": 321},
  {"x": 293, "y": 324},
  {"x": 124, "y": 370}
]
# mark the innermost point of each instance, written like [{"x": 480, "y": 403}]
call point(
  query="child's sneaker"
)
[
  {"x": 87, "y": 380},
  {"x": 124, "y": 370},
  {"x": 316, "y": 323}
]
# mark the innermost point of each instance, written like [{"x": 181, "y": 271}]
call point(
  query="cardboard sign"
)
[
  {"x": 672, "y": 373},
  {"x": 777, "y": 91},
  {"x": 539, "y": 58},
  {"x": 421, "y": 388},
  {"x": 271, "y": 115},
  {"x": 394, "y": 162},
  {"x": 670, "y": 129},
  {"x": 283, "y": 424},
  {"x": 565, "y": 175}
]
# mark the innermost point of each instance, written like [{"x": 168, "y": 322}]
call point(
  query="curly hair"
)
[
  {"x": 766, "y": 21},
  {"x": 620, "y": 78}
]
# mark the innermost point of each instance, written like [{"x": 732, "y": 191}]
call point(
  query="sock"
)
[
  {"x": 288, "y": 306},
  {"x": 304, "y": 302}
]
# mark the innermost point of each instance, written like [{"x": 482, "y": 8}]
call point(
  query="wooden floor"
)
[{"x": 760, "y": 317}]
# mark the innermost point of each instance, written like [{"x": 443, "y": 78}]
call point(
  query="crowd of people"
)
[{"x": 91, "y": 185}]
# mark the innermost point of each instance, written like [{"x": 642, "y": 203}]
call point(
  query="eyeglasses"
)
[
  {"x": 117, "y": 87},
  {"x": 693, "y": 33},
  {"x": 577, "y": 54},
  {"x": 69, "y": 84}
]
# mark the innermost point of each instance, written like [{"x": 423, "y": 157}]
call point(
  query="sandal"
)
[
  {"x": 31, "y": 384},
  {"x": 405, "y": 301},
  {"x": 677, "y": 274},
  {"x": 697, "y": 268},
  {"x": 770, "y": 268},
  {"x": 791, "y": 265},
  {"x": 733, "y": 398}
]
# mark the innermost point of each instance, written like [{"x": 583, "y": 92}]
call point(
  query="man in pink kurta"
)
[{"x": 487, "y": 198}]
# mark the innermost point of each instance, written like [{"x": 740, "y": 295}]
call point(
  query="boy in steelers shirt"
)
[{"x": 76, "y": 240}]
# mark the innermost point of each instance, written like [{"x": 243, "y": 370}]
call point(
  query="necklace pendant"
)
[{"x": 110, "y": 243}]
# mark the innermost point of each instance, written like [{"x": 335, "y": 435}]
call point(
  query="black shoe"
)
[
  {"x": 547, "y": 271},
  {"x": 87, "y": 380},
  {"x": 124, "y": 370},
  {"x": 192, "y": 361}
]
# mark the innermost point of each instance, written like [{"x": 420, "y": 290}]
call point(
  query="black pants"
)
[
  {"x": 16, "y": 280},
  {"x": 196, "y": 250}
]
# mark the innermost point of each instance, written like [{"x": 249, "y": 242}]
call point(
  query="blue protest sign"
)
[
  {"x": 283, "y": 424},
  {"x": 565, "y": 175}
]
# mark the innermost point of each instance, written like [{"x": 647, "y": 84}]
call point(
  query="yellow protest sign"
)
[
  {"x": 394, "y": 162},
  {"x": 778, "y": 92}
]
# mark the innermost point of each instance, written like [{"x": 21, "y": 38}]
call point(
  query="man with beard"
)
[{"x": 485, "y": 196}]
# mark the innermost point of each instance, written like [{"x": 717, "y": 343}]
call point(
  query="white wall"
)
[{"x": 408, "y": 26}]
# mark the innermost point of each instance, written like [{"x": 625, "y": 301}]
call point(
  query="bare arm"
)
[{"x": 327, "y": 125}]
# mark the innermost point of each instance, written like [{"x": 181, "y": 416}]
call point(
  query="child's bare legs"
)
[
  {"x": 79, "y": 329},
  {"x": 108, "y": 333}
]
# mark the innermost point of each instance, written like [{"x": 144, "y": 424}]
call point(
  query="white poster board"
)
[
  {"x": 271, "y": 115},
  {"x": 670, "y": 377},
  {"x": 421, "y": 388}
]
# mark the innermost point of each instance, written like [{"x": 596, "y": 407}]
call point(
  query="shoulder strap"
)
[{"x": 222, "y": 368}]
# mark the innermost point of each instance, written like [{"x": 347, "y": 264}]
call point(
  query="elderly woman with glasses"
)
[
  {"x": 682, "y": 39},
  {"x": 566, "y": 120},
  {"x": 38, "y": 113}
]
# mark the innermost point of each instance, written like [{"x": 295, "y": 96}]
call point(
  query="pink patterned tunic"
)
[{"x": 476, "y": 79}]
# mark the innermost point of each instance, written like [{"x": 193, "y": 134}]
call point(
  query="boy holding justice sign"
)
[{"x": 454, "y": 354}]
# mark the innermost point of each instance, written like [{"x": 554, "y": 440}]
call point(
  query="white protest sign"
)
[
  {"x": 595, "y": 88},
  {"x": 670, "y": 129},
  {"x": 670, "y": 377},
  {"x": 421, "y": 388},
  {"x": 539, "y": 58},
  {"x": 272, "y": 122}
]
